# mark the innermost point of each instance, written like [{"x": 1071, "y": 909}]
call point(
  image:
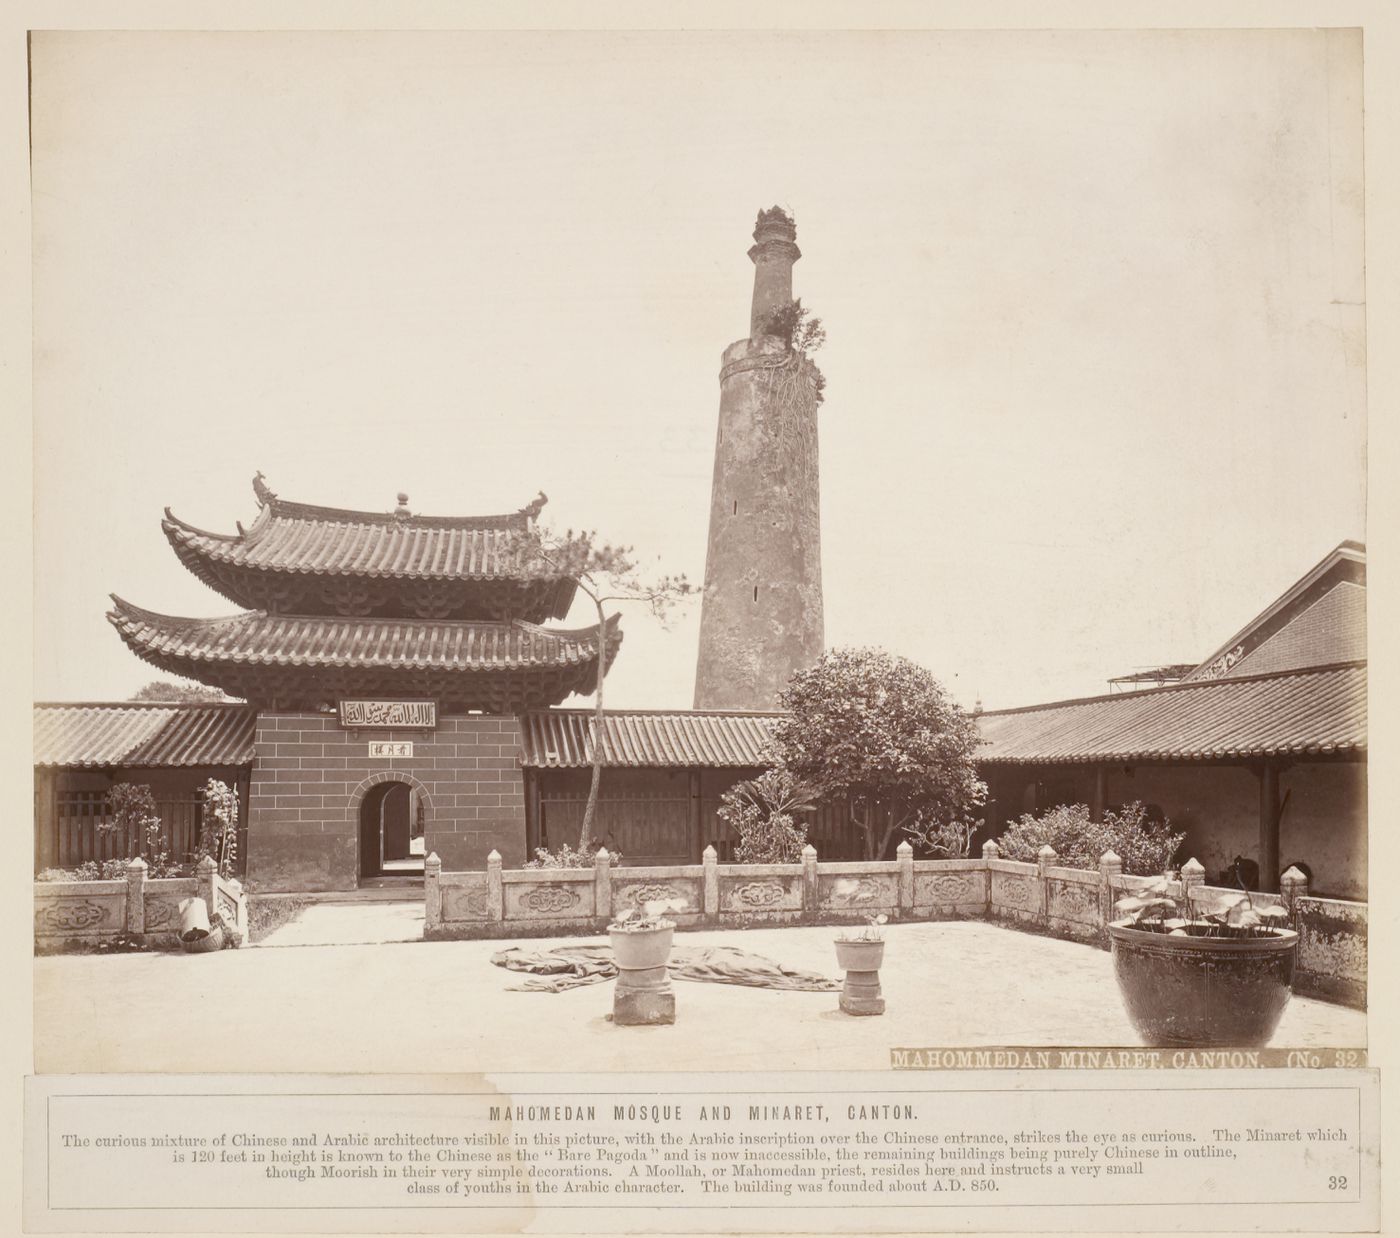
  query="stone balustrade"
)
[
  {"x": 69, "y": 914},
  {"x": 1042, "y": 897}
]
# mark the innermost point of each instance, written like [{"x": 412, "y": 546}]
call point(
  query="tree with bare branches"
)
[{"x": 604, "y": 574}]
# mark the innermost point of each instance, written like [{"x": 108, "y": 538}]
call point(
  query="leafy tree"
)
[
  {"x": 803, "y": 334},
  {"x": 879, "y": 733},
  {"x": 178, "y": 693},
  {"x": 1146, "y": 847},
  {"x": 603, "y": 573},
  {"x": 763, "y": 812}
]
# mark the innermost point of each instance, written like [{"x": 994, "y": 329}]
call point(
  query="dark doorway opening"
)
[{"x": 391, "y": 832}]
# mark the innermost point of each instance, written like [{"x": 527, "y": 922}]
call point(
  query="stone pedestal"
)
[
  {"x": 643, "y": 993},
  {"x": 861, "y": 993}
]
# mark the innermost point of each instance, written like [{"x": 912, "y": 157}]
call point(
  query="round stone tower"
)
[{"x": 761, "y": 614}]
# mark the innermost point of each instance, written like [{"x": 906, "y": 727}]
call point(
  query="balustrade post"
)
[
  {"x": 602, "y": 885},
  {"x": 1293, "y": 885},
  {"x": 1044, "y": 860},
  {"x": 432, "y": 892},
  {"x": 207, "y": 875},
  {"x": 495, "y": 890},
  {"x": 990, "y": 852},
  {"x": 709, "y": 860},
  {"x": 811, "y": 886},
  {"x": 1193, "y": 877},
  {"x": 1110, "y": 869},
  {"x": 904, "y": 859},
  {"x": 136, "y": 896}
]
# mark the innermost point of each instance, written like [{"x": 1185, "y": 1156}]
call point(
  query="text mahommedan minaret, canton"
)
[{"x": 761, "y": 615}]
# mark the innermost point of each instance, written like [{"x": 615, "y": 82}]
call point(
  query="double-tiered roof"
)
[{"x": 349, "y": 603}]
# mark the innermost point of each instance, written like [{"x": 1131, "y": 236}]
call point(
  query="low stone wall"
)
[
  {"x": 1331, "y": 950},
  {"x": 74, "y": 914},
  {"x": 1042, "y": 897}
]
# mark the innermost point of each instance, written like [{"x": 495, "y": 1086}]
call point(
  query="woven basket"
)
[{"x": 210, "y": 941}]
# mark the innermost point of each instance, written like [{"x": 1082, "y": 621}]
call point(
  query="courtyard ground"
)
[{"x": 426, "y": 1007}]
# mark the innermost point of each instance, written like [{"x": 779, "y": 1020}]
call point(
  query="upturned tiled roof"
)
[
  {"x": 95, "y": 735},
  {"x": 299, "y": 557},
  {"x": 1316, "y": 711},
  {"x": 257, "y": 638},
  {"x": 558, "y": 738}
]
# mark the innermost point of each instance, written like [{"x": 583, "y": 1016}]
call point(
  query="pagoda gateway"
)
[{"x": 389, "y": 656}]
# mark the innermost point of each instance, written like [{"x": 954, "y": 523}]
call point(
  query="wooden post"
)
[
  {"x": 532, "y": 811},
  {"x": 602, "y": 885},
  {"x": 696, "y": 822},
  {"x": 1099, "y": 793},
  {"x": 45, "y": 819},
  {"x": 136, "y": 896},
  {"x": 1268, "y": 826},
  {"x": 495, "y": 889},
  {"x": 904, "y": 859},
  {"x": 811, "y": 888},
  {"x": 432, "y": 892},
  {"x": 710, "y": 860}
]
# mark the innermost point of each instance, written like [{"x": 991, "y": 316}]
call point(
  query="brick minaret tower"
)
[{"x": 761, "y": 616}]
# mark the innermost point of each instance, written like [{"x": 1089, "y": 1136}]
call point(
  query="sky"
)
[{"x": 1094, "y": 300}]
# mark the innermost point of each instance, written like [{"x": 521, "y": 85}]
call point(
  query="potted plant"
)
[
  {"x": 641, "y": 941},
  {"x": 641, "y": 944},
  {"x": 859, "y": 954},
  {"x": 1199, "y": 968}
]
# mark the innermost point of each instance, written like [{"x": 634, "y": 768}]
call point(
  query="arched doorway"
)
[{"x": 391, "y": 832}]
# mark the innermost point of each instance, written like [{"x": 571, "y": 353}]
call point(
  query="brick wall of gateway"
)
[{"x": 310, "y": 774}]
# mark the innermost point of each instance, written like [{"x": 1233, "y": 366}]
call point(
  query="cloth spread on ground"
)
[{"x": 567, "y": 967}]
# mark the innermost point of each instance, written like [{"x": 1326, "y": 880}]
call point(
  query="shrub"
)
[
  {"x": 761, "y": 811},
  {"x": 567, "y": 857},
  {"x": 952, "y": 840},
  {"x": 88, "y": 870},
  {"x": 218, "y": 827},
  {"x": 1145, "y": 847}
]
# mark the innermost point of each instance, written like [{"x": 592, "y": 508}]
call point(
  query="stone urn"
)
[
  {"x": 1196, "y": 991},
  {"x": 860, "y": 959},
  {"x": 643, "y": 993}
]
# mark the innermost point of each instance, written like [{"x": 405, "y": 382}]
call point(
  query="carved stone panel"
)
[
  {"x": 78, "y": 915},
  {"x": 945, "y": 888},
  {"x": 1073, "y": 901},
  {"x": 859, "y": 892},
  {"x": 543, "y": 901},
  {"x": 161, "y": 914},
  {"x": 762, "y": 894},
  {"x": 628, "y": 895},
  {"x": 1017, "y": 893},
  {"x": 464, "y": 902}
]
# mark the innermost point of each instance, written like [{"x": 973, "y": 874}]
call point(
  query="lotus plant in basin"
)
[{"x": 1202, "y": 968}]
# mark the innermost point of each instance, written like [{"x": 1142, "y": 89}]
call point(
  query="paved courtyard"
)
[{"x": 441, "y": 1006}]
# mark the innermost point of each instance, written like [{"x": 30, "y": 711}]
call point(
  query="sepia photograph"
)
[{"x": 700, "y": 551}]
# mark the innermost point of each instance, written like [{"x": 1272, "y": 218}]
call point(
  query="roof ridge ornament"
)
[
  {"x": 401, "y": 512},
  {"x": 264, "y": 493},
  {"x": 531, "y": 510}
]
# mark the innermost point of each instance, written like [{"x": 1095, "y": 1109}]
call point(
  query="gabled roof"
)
[
  {"x": 558, "y": 738},
  {"x": 1316, "y": 711},
  {"x": 101, "y": 735},
  {"x": 317, "y": 559},
  {"x": 464, "y": 664},
  {"x": 1320, "y": 619}
]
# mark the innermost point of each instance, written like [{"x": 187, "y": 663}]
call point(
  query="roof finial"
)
[
  {"x": 402, "y": 508},
  {"x": 261, "y": 489},
  {"x": 531, "y": 510}
]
